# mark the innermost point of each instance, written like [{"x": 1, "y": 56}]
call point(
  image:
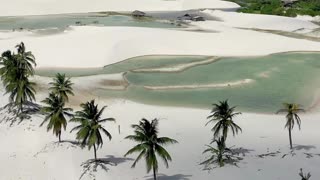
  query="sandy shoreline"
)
[
  {"x": 115, "y": 44},
  {"x": 36, "y": 7},
  {"x": 31, "y": 153},
  {"x": 217, "y": 85},
  {"x": 177, "y": 68}
]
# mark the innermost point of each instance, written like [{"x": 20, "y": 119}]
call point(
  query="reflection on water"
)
[{"x": 65, "y": 20}]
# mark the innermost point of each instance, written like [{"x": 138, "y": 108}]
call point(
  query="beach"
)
[{"x": 156, "y": 69}]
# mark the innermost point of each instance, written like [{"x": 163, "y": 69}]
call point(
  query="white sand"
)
[
  {"x": 200, "y": 86},
  {"x": 103, "y": 81},
  {"x": 309, "y": 18},
  {"x": 178, "y": 67},
  {"x": 261, "y": 134},
  {"x": 100, "y": 46},
  {"x": 37, "y": 7},
  {"x": 258, "y": 21}
]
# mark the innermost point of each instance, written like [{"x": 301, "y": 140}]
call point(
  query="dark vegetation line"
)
[{"x": 290, "y": 8}]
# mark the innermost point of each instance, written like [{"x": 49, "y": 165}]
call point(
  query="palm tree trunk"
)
[
  {"x": 224, "y": 136},
  {"x": 154, "y": 173},
  {"x": 290, "y": 138},
  {"x": 21, "y": 108},
  {"x": 59, "y": 135},
  {"x": 95, "y": 152}
]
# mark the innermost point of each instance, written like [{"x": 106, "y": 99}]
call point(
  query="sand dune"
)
[
  {"x": 179, "y": 67},
  {"x": 37, "y": 7},
  {"x": 99, "y": 46},
  {"x": 30, "y": 151},
  {"x": 258, "y": 21}
]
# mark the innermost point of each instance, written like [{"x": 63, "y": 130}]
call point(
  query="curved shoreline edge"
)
[{"x": 200, "y": 86}]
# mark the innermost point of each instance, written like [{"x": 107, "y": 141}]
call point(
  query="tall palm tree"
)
[
  {"x": 292, "y": 111},
  {"x": 149, "y": 145},
  {"x": 223, "y": 115},
  {"x": 89, "y": 130},
  {"x": 56, "y": 114},
  {"x": 62, "y": 86},
  {"x": 26, "y": 58},
  {"x": 15, "y": 72},
  {"x": 218, "y": 155},
  {"x": 21, "y": 91}
]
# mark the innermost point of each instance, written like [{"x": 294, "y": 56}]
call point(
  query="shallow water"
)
[
  {"x": 65, "y": 20},
  {"x": 278, "y": 78},
  {"x": 141, "y": 62}
]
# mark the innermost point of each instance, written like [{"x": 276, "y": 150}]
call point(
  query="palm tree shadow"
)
[
  {"x": 11, "y": 115},
  {"x": 54, "y": 145},
  {"x": 241, "y": 151},
  {"x": 173, "y": 177},
  {"x": 75, "y": 143},
  {"x": 117, "y": 160},
  {"x": 304, "y": 147},
  {"x": 91, "y": 166}
]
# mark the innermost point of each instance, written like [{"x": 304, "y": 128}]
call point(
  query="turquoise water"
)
[
  {"x": 65, "y": 20},
  {"x": 278, "y": 78}
]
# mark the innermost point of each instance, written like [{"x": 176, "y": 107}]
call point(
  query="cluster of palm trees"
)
[
  {"x": 54, "y": 109},
  {"x": 89, "y": 118},
  {"x": 223, "y": 115},
  {"x": 89, "y": 129},
  {"x": 16, "y": 68}
]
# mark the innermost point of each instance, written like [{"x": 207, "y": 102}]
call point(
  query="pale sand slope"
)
[
  {"x": 309, "y": 18},
  {"x": 37, "y": 7},
  {"x": 100, "y": 46},
  {"x": 199, "y": 86},
  {"x": 258, "y": 21},
  {"x": 261, "y": 133}
]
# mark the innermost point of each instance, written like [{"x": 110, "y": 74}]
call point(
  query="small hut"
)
[
  {"x": 198, "y": 18},
  {"x": 137, "y": 13},
  {"x": 185, "y": 17}
]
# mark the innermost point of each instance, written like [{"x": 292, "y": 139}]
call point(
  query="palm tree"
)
[
  {"x": 62, "y": 86},
  {"x": 90, "y": 126},
  {"x": 223, "y": 114},
  {"x": 26, "y": 58},
  {"x": 150, "y": 145},
  {"x": 21, "y": 91},
  {"x": 218, "y": 155},
  {"x": 304, "y": 176},
  {"x": 292, "y": 111},
  {"x": 56, "y": 114},
  {"x": 15, "y": 72}
]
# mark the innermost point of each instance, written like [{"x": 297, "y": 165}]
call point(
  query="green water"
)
[
  {"x": 278, "y": 78},
  {"x": 65, "y": 20},
  {"x": 124, "y": 66}
]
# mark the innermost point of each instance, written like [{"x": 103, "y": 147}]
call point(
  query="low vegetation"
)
[{"x": 279, "y": 7}]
